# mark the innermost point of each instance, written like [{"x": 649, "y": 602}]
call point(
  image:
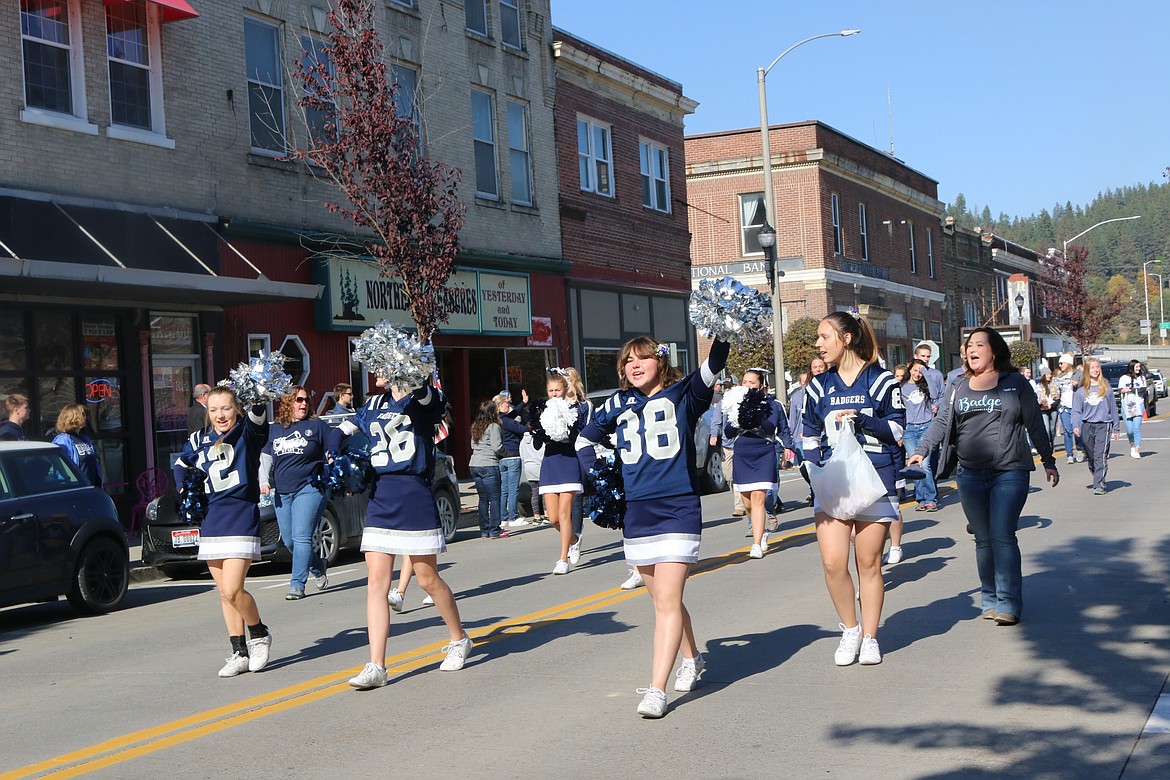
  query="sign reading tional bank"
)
[{"x": 357, "y": 296}]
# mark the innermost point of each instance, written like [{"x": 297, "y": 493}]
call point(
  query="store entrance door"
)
[{"x": 172, "y": 380}]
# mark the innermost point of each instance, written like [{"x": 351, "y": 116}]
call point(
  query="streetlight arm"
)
[
  {"x": 764, "y": 71},
  {"x": 1094, "y": 227}
]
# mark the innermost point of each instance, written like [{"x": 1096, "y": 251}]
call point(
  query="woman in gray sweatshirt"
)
[
  {"x": 487, "y": 447},
  {"x": 1094, "y": 420}
]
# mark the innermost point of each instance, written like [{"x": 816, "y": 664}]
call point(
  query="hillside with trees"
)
[{"x": 1115, "y": 252}]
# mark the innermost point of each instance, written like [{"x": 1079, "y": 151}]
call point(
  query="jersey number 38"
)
[{"x": 653, "y": 430}]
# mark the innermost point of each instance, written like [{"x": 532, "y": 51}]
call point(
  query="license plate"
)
[{"x": 188, "y": 537}]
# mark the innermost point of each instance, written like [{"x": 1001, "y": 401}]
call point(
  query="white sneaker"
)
[
  {"x": 321, "y": 580},
  {"x": 237, "y": 664},
  {"x": 756, "y": 551},
  {"x": 633, "y": 581},
  {"x": 575, "y": 552},
  {"x": 689, "y": 673},
  {"x": 764, "y": 541},
  {"x": 870, "y": 653},
  {"x": 850, "y": 644},
  {"x": 258, "y": 650},
  {"x": 562, "y": 567},
  {"x": 395, "y": 599},
  {"x": 371, "y": 676},
  {"x": 429, "y": 601},
  {"x": 1134, "y": 453},
  {"x": 894, "y": 555},
  {"x": 457, "y": 653},
  {"x": 653, "y": 703}
]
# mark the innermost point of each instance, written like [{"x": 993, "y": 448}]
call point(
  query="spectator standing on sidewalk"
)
[
  {"x": 75, "y": 442},
  {"x": 1132, "y": 387},
  {"x": 1094, "y": 421},
  {"x": 531, "y": 458},
  {"x": 487, "y": 447},
  {"x": 197, "y": 417},
  {"x": 983, "y": 426},
  {"x": 726, "y": 446},
  {"x": 513, "y": 426},
  {"x": 17, "y": 408}
]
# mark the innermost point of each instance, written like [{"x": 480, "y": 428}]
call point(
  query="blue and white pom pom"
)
[
  {"x": 732, "y": 398},
  {"x": 193, "y": 503},
  {"x": 746, "y": 408},
  {"x": 396, "y": 356},
  {"x": 558, "y": 419},
  {"x": 260, "y": 380},
  {"x": 729, "y": 310},
  {"x": 349, "y": 473},
  {"x": 606, "y": 505}
]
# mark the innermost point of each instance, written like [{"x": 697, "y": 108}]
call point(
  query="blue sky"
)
[{"x": 1017, "y": 105}]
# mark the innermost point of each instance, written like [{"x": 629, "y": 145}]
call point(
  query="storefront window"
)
[
  {"x": 103, "y": 398},
  {"x": 601, "y": 369},
  {"x": 526, "y": 370},
  {"x": 54, "y": 340},
  {"x": 173, "y": 335},
  {"x": 54, "y": 394},
  {"x": 99, "y": 340},
  {"x": 13, "y": 345}
]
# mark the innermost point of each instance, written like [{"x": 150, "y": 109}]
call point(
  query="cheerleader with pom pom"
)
[
  {"x": 291, "y": 469},
  {"x": 402, "y": 518},
  {"x": 654, "y": 417},
  {"x": 755, "y": 421},
  {"x": 565, "y": 413},
  {"x": 227, "y": 452}
]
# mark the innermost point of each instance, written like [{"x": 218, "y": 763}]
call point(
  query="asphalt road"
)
[{"x": 549, "y": 688}]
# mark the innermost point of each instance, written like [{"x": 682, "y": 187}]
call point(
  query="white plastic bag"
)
[{"x": 847, "y": 482}]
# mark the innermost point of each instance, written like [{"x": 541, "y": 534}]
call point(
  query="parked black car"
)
[
  {"x": 172, "y": 544},
  {"x": 58, "y": 534},
  {"x": 1113, "y": 370}
]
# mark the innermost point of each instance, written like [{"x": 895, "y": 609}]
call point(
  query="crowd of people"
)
[{"x": 986, "y": 423}]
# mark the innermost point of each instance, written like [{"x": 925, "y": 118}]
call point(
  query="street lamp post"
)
[
  {"x": 1064, "y": 250},
  {"x": 1146, "y": 290},
  {"x": 770, "y": 206},
  {"x": 1161, "y": 310}
]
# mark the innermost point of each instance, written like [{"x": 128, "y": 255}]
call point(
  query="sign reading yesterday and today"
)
[{"x": 357, "y": 296}]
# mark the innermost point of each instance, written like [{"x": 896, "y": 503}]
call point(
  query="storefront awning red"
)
[{"x": 171, "y": 10}]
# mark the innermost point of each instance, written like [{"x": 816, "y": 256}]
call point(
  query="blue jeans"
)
[
  {"x": 1133, "y": 429},
  {"x": 993, "y": 501},
  {"x": 510, "y": 469},
  {"x": 297, "y": 515},
  {"x": 925, "y": 491},
  {"x": 1070, "y": 442},
  {"x": 487, "y": 485}
]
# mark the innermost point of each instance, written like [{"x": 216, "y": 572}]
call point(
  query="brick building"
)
[
  {"x": 151, "y": 235},
  {"x": 855, "y": 227},
  {"x": 624, "y": 222}
]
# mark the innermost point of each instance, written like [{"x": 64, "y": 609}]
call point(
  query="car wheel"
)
[
  {"x": 101, "y": 577},
  {"x": 713, "y": 473},
  {"x": 327, "y": 537},
  {"x": 448, "y": 514}
]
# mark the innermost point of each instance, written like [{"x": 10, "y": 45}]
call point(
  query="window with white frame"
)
[
  {"x": 54, "y": 77},
  {"x": 862, "y": 223},
  {"x": 913, "y": 251},
  {"x": 594, "y": 155},
  {"x": 752, "y": 213},
  {"x": 483, "y": 130},
  {"x": 313, "y": 54},
  {"x": 132, "y": 52},
  {"x": 930, "y": 252},
  {"x": 835, "y": 202},
  {"x": 510, "y": 24},
  {"x": 519, "y": 160},
  {"x": 476, "y": 11},
  {"x": 655, "y": 163},
  {"x": 265, "y": 86},
  {"x": 970, "y": 314}
]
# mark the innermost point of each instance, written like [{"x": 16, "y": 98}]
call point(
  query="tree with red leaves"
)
[
  {"x": 1076, "y": 313},
  {"x": 371, "y": 152}
]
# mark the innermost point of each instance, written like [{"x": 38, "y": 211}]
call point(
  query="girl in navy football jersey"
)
[
  {"x": 855, "y": 387},
  {"x": 654, "y": 417},
  {"x": 402, "y": 518},
  {"x": 754, "y": 461},
  {"x": 293, "y": 460},
  {"x": 560, "y": 473},
  {"x": 227, "y": 451}
]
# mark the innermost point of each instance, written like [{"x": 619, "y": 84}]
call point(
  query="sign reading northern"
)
[{"x": 357, "y": 296}]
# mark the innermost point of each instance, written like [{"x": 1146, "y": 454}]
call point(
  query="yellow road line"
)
[{"x": 143, "y": 742}]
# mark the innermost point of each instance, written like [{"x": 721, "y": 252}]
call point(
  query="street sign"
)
[
  {"x": 1164, "y": 325},
  {"x": 1144, "y": 323},
  {"x": 1145, "y": 331}
]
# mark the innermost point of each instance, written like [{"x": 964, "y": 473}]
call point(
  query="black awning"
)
[{"x": 67, "y": 250}]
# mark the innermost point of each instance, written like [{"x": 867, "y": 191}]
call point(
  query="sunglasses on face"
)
[{"x": 300, "y": 399}]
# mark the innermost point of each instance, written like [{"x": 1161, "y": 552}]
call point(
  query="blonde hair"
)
[
  {"x": 71, "y": 419},
  {"x": 14, "y": 402},
  {"x": 574, "y": 389},
  {"x": 1101, "y": 382}
]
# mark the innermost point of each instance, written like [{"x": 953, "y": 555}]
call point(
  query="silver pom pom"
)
[
  {"x": 729, "y": 310},
  {"x": 260, "y": 380},
  {"x": 398, "y": 357},
  {"x": 558, "y": 419}
]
